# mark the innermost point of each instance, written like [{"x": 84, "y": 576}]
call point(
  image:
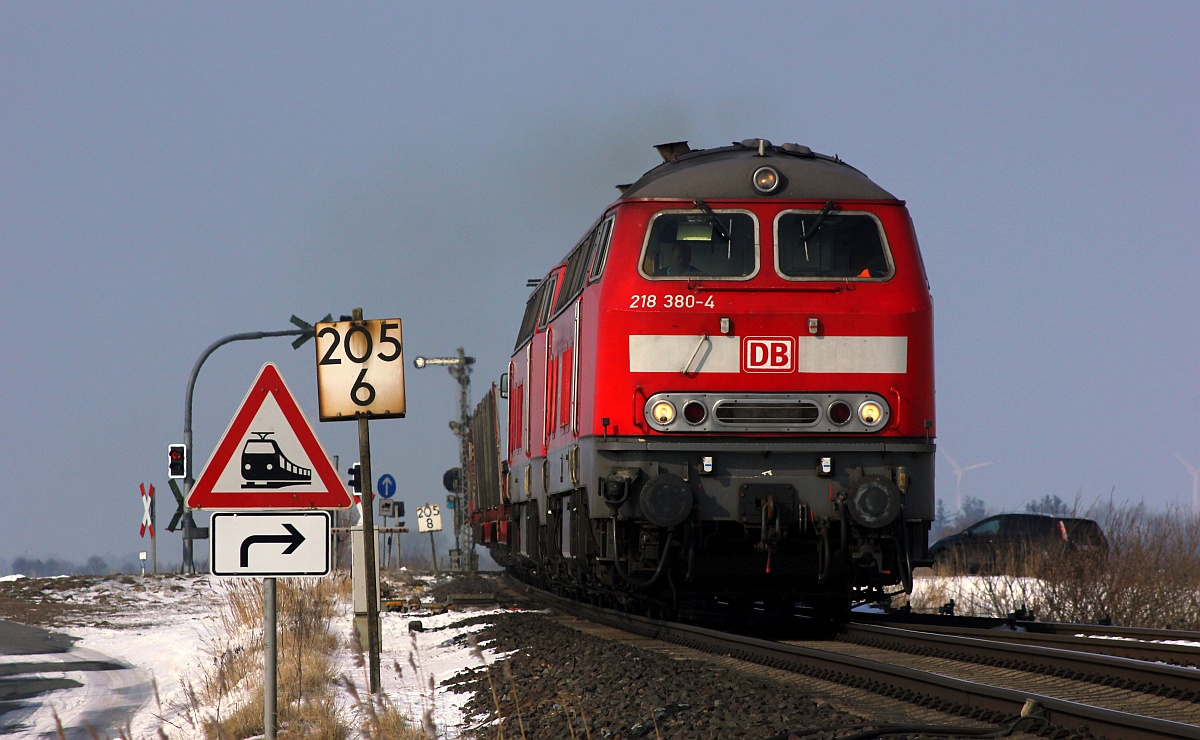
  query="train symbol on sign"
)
[{"x": 265, "y": 466}]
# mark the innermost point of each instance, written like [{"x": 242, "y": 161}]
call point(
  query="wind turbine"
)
[
  {"x": 1195, "y": 482},
  {"x": 958, "y": 475}
]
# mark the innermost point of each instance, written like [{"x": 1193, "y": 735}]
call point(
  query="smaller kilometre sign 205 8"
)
[
  {"x": 360, "y": 369},
  {"x": 429, "y": 518}
]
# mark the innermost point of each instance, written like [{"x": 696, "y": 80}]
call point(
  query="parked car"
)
[{"x": 1005, "y": 542}]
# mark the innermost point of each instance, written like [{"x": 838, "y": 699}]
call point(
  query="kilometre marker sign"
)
[{"x": 360, "y": 369}]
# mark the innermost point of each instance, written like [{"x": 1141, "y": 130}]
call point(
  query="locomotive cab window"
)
[
  {"x": 840, "y": 246},
  {"x": 692, "y": 245}
]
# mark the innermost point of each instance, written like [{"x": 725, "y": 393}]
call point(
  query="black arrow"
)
[{"x": 293, "y": 541}]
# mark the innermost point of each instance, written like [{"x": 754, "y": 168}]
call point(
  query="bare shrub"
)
[{"x": 1150, "y": 576}]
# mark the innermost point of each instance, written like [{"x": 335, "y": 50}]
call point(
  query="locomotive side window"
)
[
  {"x": 682, "y": 245},
  {"x": 537, "y": 308},
  {"x": 600, "y": 249},
  {"x": 528, "y": 321},
  {"x": 576, "y": 271},
  {"x": 839, "y": 246},
  {"x": 548, "y": 286}
]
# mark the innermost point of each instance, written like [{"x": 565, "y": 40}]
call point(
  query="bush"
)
[{"x": 1150, "y": 577}]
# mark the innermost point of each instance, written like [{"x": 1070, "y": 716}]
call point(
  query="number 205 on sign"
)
[
  {"x": 360, "y": 369},
  {"x": 429, "y": 518}
]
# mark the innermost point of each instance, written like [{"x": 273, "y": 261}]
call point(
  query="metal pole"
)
[
  {"x": 270, "y": 658},
  {"x": 461, "y": 371},
  {"x": 189, "y": 523},
  {"x": 374, "y": 641},
  {"x": 433, "y": 551},
  {"x": 153, "y": 532}
]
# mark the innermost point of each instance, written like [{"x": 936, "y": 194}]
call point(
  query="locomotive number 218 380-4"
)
[{"x": 671, "y": 300}]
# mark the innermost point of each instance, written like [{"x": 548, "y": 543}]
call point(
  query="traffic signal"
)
[
  {"x": 176, "y": 461},
  {"x": 356, "y": 478}
]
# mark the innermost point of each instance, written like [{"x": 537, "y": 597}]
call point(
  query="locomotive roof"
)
[{"x": 725, "y": 172}]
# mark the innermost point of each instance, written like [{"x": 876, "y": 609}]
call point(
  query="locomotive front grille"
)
[
  {"x": 749, "y": 413},
  {"x": 690, "y": 412}
]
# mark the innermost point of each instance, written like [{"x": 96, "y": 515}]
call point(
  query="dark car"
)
[{"x": 1006, "y": 542}]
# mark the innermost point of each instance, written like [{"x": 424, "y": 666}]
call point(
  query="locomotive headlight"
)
[
  {"x": 870, "y": 413},
  {"x": 766, "y": 180},
  {"x": 663, "y": 412}
]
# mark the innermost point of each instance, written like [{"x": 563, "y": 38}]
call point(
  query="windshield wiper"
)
[
  {"x": 712, "y": 219},
  {"x": 820, "y": 220}
]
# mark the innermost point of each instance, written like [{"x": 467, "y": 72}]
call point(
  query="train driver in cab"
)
[{"x": 681, "y": 261}]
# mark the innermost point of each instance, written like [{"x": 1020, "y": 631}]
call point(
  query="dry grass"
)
[
  {"x": 227, "y": 700},
  {"x": 378, "y": 716},
  {"x": 1150, "y": 577}
]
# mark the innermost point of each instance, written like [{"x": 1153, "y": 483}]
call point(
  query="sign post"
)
[
  {"x": 360, "y": 375},
  {"x": 387, "y": 489},
  {"x": 429, "y": 519},
  {"x": 148, "y": 518},
  {"x": 267, "y": 465}
]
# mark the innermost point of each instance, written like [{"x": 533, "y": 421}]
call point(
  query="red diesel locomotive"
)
[{"x": 723, "y": 395}]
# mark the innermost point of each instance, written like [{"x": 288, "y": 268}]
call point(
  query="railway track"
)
[
  {"x": 1049, "y": 691},
  {"x": 1175, "y": 647}
]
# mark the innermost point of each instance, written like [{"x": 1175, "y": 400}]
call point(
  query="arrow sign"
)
[
  {"x": 294, "y": 539},
  {"x": 387, "y": 486},
  {"x": 270, "y": 544}
]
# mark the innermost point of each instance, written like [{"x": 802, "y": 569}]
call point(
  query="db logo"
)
[{"x": 769, "y": 354}]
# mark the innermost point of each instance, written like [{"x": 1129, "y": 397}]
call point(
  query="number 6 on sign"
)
[
  {"x": 360, "y": 369},
  {"x": 429, "y": 518}
]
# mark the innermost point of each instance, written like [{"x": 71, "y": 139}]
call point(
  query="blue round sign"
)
[{"x": 387, "y": 485}]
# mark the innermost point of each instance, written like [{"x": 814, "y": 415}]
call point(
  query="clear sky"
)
[{"x": 171, "y": 173}]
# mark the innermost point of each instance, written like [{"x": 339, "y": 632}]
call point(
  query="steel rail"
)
[
  {"x": 1136, "y": 648},
  {"x": 1100, "y": 630},
  {"x": 976, "y": 700},
  {"x": 927, "y": 621},
  {"x": 1109, "y": 670}
]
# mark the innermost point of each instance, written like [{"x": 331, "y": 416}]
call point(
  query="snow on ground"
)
[
  {"x": 162, "y": 626},
  {"x": 411, "y": 660},
  {"x": 163, "y": 633},
  {"x": 160, "y": 634},
  {"x": 976, "y": 596}
]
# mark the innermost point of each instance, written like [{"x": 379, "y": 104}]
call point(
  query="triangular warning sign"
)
[{"x": 269, "y": 457}]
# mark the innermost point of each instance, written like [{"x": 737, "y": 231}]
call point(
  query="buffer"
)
[{"x": 269, "y": 457}]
